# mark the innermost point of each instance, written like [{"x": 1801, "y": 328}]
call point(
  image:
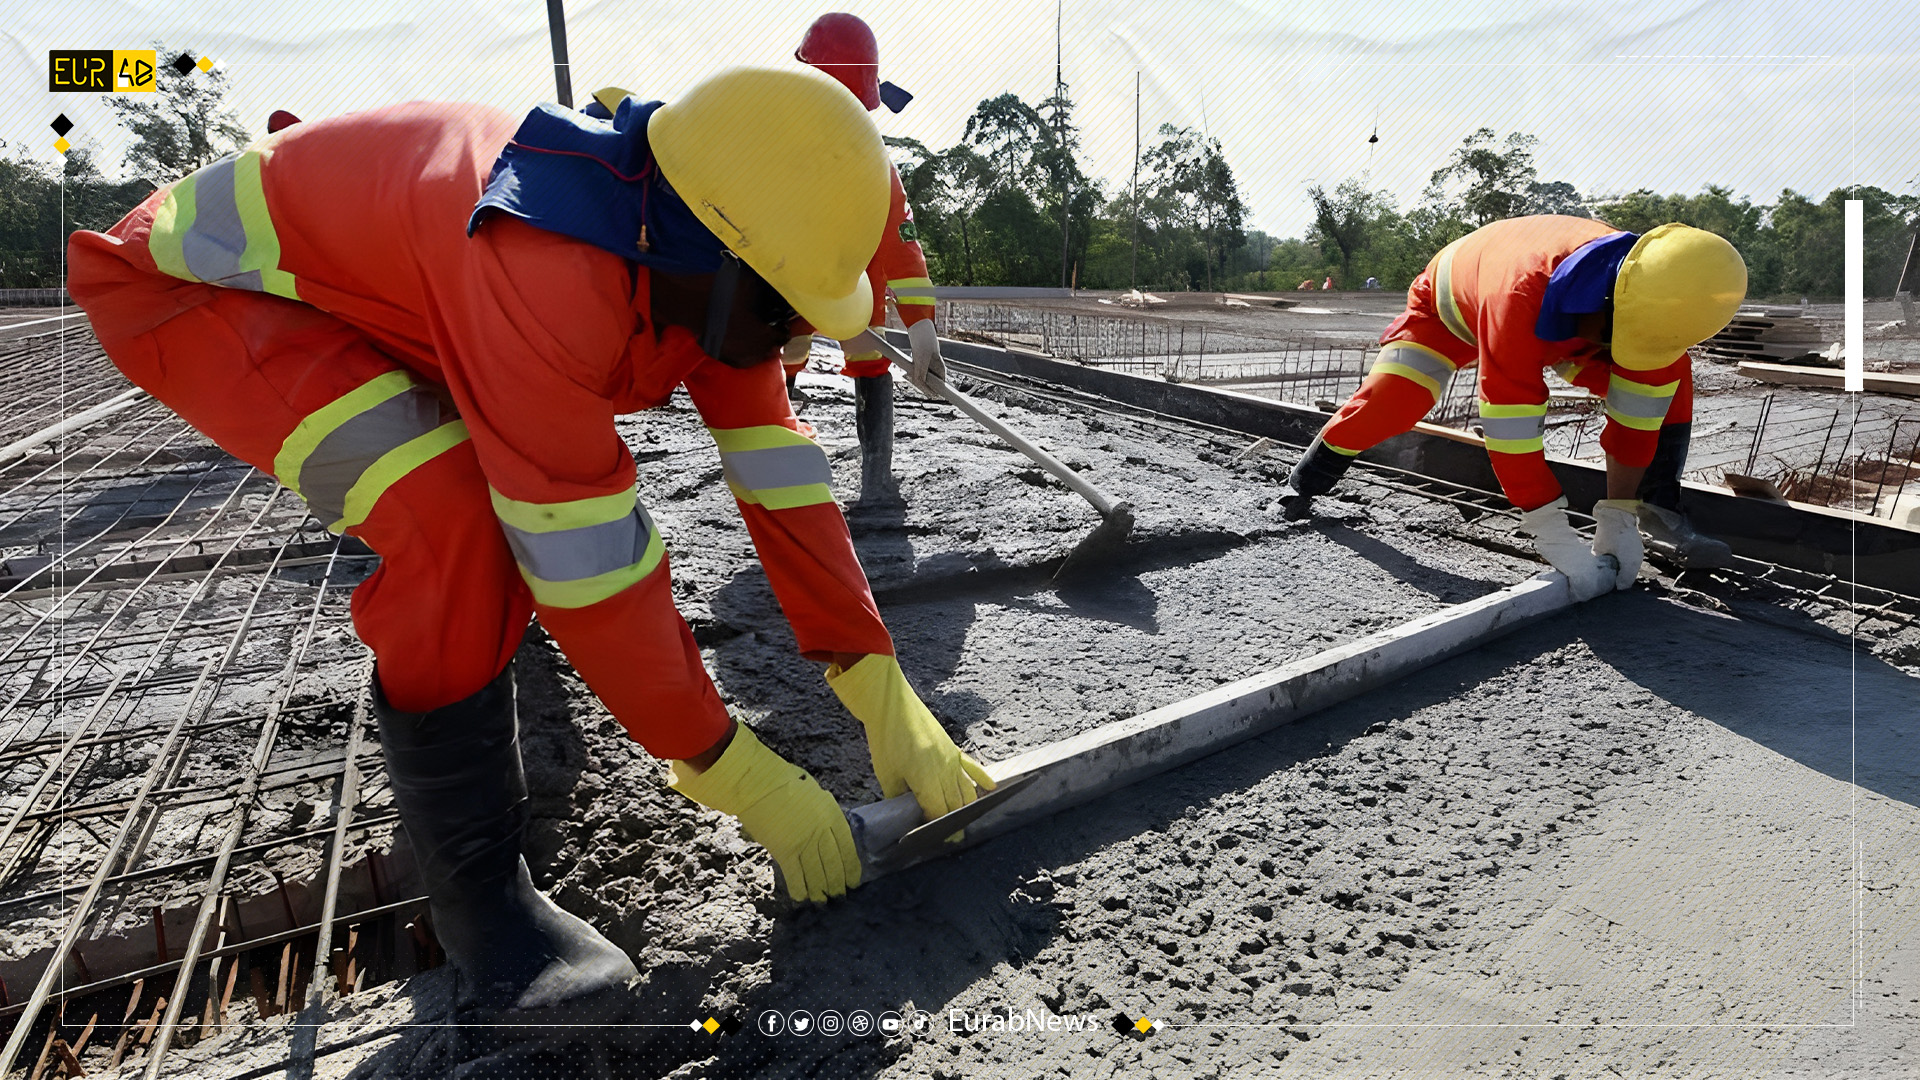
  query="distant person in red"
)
[
  {"x": 1610, "y": 311},
  {"x": 1327, "y": 285}
]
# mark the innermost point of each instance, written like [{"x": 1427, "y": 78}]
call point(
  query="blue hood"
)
[{"x": 596, "y": 180}]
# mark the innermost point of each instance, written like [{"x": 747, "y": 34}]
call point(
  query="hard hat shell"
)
[
  {"x": 791, "y": 175},
  {"x": 844, "y": 47},
  {"x": 1677, "y": 287}
]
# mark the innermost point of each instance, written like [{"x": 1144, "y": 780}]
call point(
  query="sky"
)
[{"x": 1671, "y": 96}]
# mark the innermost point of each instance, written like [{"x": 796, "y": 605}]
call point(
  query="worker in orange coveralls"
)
[
  {"x": 1608, "y": 310},
  {"x": 844, "y": 47},
  {"x": 424, "y": 319}
]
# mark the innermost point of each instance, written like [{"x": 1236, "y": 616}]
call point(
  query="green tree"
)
[
  {"x": 1483, "y": 183},
  {"x": 1196, "y": 200},
  {"x": 1346, "y": 221},
  {"x": 185, "y": 124}
]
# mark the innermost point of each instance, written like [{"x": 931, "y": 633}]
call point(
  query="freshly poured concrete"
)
[{"x": 1629, "y": 836}]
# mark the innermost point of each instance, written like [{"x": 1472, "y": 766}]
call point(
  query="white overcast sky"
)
[{"x": 1666, "y": 95}]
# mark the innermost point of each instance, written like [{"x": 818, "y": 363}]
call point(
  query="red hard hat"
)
[{"x": 844, "y": 47}]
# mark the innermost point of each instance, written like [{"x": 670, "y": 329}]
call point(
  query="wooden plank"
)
[{"x": 1790, "y": 375}]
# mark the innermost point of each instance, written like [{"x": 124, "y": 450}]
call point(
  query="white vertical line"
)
[{"x": 1856, "y": 376}]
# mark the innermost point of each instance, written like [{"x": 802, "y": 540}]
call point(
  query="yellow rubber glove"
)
[
  {"x": 910, "y": 749},
  {"x": 781, "y": 808}
]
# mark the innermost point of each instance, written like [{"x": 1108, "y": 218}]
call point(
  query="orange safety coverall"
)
[
  {"x": 451, "y": 402},
  {"x": 1478, "y": 300},
  {"x": 900, "y": 266}
]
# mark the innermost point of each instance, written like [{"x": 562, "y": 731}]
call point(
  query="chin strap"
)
[{"x": 726, "y": 282}]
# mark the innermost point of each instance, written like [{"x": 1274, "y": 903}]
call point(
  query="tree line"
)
[{"x": 1011, "y": 204}]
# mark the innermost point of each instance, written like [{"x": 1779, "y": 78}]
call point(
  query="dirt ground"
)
[{"x": 1633, "y": 841}]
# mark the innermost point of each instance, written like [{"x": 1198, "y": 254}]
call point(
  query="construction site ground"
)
[{"x": 1673, "y": 833}]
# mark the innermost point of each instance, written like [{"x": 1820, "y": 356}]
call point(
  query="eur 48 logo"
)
[{"x": 115, "y": 71}]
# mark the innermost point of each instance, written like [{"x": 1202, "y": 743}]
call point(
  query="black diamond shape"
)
[
  {"x": 184, "y": 63},
  {"x": 731, "y": 1026},
  {"x": 61, "y": 125}
]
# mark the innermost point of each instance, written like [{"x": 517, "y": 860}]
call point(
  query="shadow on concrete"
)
[
  {"x": 1441, "y": 584},
  {"x": 1789, "y": 684}
]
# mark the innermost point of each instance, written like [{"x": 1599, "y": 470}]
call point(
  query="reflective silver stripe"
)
[
  {"x": 1449, "y": 311},
  {"x": 1637, "y": 400},
  {"x": 1419, "y": 360},
  {"x": 588, "y": 551},
  {"x": 777, "y": 467},
  {"x": 338, "y": 460},
  {"x": 1513, "y": 428},
  {"x": 213, "y": 246}
]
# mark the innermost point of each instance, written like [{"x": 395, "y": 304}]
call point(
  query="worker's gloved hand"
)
[
  {"x": 926, "y": 357},
  {"x": 781, "y": 808},
  {"x": 910, "y": 749},
  {"x": 1588, "y": 574},
  {"x": 1618, "y": 535}
]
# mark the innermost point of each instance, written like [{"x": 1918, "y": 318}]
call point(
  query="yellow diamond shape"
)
[
  {"x": 711, "y": 1025},
  {"x": 1143, "y": 1025},
  {"x": 206, "y": 64},
  {"x": 62, "y": 145}
]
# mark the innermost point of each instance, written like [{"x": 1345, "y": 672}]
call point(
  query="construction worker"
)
[
  {"x": 427, "y": 337},
  {"x": 1608, "y": 310},
  {"x": 844, "y": 47}
]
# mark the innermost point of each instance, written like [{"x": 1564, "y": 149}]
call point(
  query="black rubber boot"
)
[
  {"x": 462, "y": 795},
  {"x": 1670, "y": 535},
  {"x": 873, "y": 420},
  {"x": 1318, "y": 470},
  {"x": 1661, "y": 484}
]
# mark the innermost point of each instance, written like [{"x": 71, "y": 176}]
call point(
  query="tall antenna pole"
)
[
  {"x": 557, "y": 27},
  {"x": 1060, "y": 137},
  {"x": 1133, "y": 275}
]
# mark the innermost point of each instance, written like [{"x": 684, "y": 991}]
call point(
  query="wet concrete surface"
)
[{"x": 1629, "y": 841}]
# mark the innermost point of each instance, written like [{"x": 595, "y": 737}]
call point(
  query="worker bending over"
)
[
  {"x": 1610, "y": 311},
  {"x": 424, "y": 319}
]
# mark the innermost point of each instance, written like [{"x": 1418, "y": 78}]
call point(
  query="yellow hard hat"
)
[
  {"x": 789, "y": 172},
  {"x": 1678, "y": 287}
]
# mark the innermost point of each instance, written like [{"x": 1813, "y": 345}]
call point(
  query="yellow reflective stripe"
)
[
  {"x": 1533, "y": 419},
  {"x": 263, "y": 242},
  {"x": 1427, "y": 367},
  {"x": 1516, "y": 446},
  {"x": 913, "y": 290},
  {"x": 585, "y": 592},
  {"x": 391, "y": 466},
  {"x": 556, "y": 517},
  {"x": 1443, "y": 296},
  {"x": 1637, "y": 405},
  {"x": 1487, "y": 408},
  {"x": 1339, "y": 449},
  {"x": 786, "y": 498},
  {"x": 765, "y": 437},
  {"x": 1388, "y": 367},
  {"x": 170, "y": 225},
  {"x": 322, "y": 421}
]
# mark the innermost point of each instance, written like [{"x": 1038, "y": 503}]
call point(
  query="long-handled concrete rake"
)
[{"x": 1116, "y": 516}]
